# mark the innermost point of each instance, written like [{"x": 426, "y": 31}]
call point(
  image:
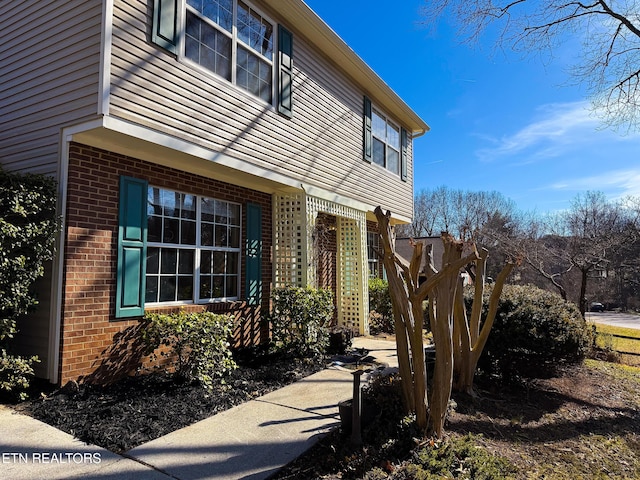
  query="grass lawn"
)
[{"x": 609, "y": 338}]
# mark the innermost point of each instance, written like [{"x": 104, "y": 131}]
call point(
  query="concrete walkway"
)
[{"x": 250, "y": 441}]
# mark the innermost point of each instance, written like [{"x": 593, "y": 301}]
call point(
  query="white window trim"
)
[
  {"x": 380, "y": 113},
  {"x": 180, "y": 44},
  {"x": 197, "y": 248}
]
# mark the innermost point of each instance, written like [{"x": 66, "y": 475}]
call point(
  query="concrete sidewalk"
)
[{"x": 250, "y": 441}]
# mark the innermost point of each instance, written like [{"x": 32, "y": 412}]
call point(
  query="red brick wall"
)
[{"x": 95, "y": 346}]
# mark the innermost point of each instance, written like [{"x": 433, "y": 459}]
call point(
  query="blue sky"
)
[{"x": 499, "y": 120}]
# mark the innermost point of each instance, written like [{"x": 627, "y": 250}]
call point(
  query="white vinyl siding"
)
[
  {"x": 50, "y": 57},
  {"x": 320, "y": 145},
  {"x": 49, "y": 73}
]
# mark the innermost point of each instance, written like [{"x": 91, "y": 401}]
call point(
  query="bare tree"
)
[
  {"x": 425, "y": 217},
  {"x": 595, "y": 229},
  {"x": 608, "y": 63},
  {"x": 459, "y": 340},
  {"x": 462, "y": 213}
]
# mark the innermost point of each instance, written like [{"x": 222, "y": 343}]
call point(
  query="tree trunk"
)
[
  {"x": 442, "y": 328},
  {"x": 470, "y": 357},
  {"x": 583, "y": 291}
]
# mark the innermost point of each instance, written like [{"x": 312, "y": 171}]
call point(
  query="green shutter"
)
[
  {"x": 254, "y": 255},
  {"x": 165, "y": 24},
  {"x": 368, "y": 138},
  {"x": 132, "y": 246},
  {"x": 285, "y": 68},
  {"x": 404, "y": 155}
]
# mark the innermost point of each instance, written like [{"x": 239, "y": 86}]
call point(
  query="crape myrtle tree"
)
[
  {"x": 608, "y": 63},
  {"x": 458, "y": 339}
]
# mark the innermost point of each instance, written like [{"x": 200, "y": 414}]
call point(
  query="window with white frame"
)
[
  {"x": 386, "y": 142},
  {"x": 193, "y": 248},
  {"x": 373, "y": 247},
  {"x": 233, "y": 40}
]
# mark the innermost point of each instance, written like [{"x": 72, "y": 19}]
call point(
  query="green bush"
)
[
  {"x": 198, "y": 343},
  {"x": 380, "y": 310},
  {"x": 460, "y": 457},
  {"x": 28, "y": 227},
  {"x": 16, "y": 374},
  {"x": 535, "y": 331},
  {"x": 300, "y": 320}
]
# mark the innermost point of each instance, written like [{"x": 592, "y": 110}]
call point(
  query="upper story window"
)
[
  {"x": 231, "y": 39},
  {"x": 386, "y": 142}
]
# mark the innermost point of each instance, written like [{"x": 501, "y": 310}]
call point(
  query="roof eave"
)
[{"x": 304, "y": 21}]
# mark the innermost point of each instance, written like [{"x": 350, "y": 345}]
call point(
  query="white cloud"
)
[
  {"x": 615, "y": 184},
  {"x": 557, "y": 129}
]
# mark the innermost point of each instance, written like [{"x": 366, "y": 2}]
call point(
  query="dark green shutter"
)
[
  {"x": 285, "y": 67},
  {"x": 165, "y": 24},
  {"x": 368, "y": 138},
  {"x": 254, "y": 255},
  {"x": 132, "y": 246},
  {"x": 404, "y": 155}
]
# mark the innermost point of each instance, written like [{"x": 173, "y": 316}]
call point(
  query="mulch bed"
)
[
  {"x": 528, "y": 423},
  {"x": 141, "y": 408}
]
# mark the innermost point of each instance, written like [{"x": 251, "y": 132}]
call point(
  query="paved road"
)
[{"x": 626, "y": 320}]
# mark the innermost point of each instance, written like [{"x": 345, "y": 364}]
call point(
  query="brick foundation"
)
[{"x": 95, "y": 346}]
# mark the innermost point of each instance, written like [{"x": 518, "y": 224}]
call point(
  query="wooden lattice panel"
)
[
  {"x": 353, "y": 294},
  {"x": 290, "y": 240},
  {"x": 294, "y": 222}
]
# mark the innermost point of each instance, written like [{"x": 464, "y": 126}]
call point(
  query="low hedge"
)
[
  {"x": 300, "y": 320},
  {"x": 534, "y": 333},
  {"x": 198, "y": 343}
]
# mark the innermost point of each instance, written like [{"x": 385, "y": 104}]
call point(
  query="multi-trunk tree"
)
[{"x": 458, "y": 339}]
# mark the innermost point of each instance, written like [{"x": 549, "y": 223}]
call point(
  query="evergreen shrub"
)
[
  {"x": 197, "y": 343},
  {"x": 300, "y": 320},
  {"x": 534, "y": 333},
  {"x": 28, "y": 228},
  {"x": 380, "y": 310}
]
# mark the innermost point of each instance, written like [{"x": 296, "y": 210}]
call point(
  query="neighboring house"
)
[
  {"x": 404, "y": 250},
  {"x": 199, "y": 146}
]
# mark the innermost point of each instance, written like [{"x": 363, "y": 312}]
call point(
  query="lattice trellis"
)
[
  {"x": 290, "y": 237},
  {"x": 352, "y": 290},
  {"x": 294, "y": 221},
  {"x": 353, "y": 293}
]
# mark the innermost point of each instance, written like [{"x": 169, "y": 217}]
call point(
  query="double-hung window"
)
[
  {"x": 373, "y": 255},
  {"x": 386, "y": 142},
  {"x": 193, "y": 248},
  {"x": 232, "y": 40}
]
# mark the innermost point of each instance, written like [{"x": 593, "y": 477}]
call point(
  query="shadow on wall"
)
[{"x": 126, "y": 355}]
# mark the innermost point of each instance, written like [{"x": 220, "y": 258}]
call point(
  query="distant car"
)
[{"x": 597, "y": 307}]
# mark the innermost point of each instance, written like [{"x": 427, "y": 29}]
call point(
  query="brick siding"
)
[{"x": 95, "y": 346}]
